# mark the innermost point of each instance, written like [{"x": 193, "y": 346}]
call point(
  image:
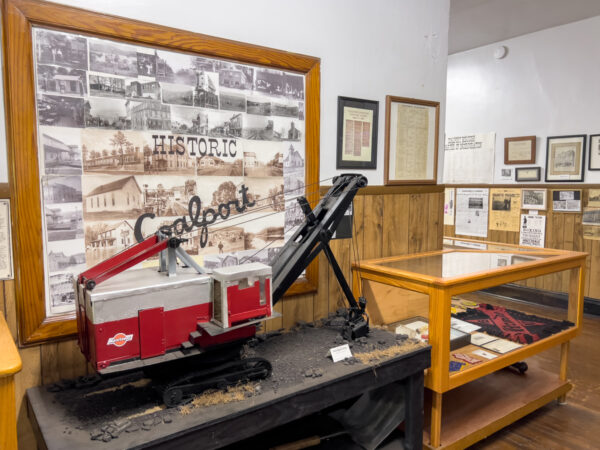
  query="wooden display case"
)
[{"x": 479, "y": 400}]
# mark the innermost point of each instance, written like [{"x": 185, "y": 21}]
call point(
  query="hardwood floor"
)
[{"x": 575, "y": 425}]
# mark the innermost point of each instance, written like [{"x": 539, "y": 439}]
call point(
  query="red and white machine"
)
[{"x": 144, "y": 317}]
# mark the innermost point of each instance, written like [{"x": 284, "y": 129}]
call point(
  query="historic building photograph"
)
[
  {"x": 61, "y": 147},
  {"x": 107, "y": 198}
]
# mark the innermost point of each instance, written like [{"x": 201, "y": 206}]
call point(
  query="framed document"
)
[
  {"x": 594, "y": 161},
  {"x": 566, "y": 201},
  {"x": 527, "y": 174},
  {"x": 565, "y": 156},
  {"x": 411, "y": 140},
  {"x": 533, "y": 199},
  {"x": 519, "y": 150},
  {"x": 357, "y": 133}
]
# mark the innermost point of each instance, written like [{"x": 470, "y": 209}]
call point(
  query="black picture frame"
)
[
  {"x": 367, "y": 105},
  {"x": 565, "y": 178},
  {"x": 519, "y": 176},
  {"x": 593, "y": 163}
]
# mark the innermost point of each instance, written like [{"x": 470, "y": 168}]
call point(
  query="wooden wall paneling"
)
[
  {"x": 321, "y": 297},
  {"x": 568, "y": 244},
  {"x": 28, "y": 377},
  {"x": 341, "y": 251},
  {"x": 395, "y": 225},
  {"x": 558, "y": 222},
  {"x": 440, "y": 242},
  {"x": 594, "y": 274},
  {"x": 358, "y": 227},
  {"x": 277, "y": 323},
  {"x": 2, "y": 299},
  {"x": 71, "y": 362},
  {"x": 417, "y": 232},
  {"x": 587, "y": 247},
  {"x": 50, "y": 367},
  {"x": 297, "y": 308},
  {"x": 11, "y": 307},
  {"x": 374, "y": 217},
  {"x": 433, "y": 221}
]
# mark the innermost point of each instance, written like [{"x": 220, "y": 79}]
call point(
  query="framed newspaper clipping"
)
[
  {"x": 411, "y": 141},
  {"x": 110, "y": 120}
]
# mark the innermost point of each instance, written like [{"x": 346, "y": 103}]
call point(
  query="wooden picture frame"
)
[
  {"x": 418, "y": 156},
  {"x": 357, "y": 118},
  {"x": 519, "y": 150},
  {"x": 524, "y": 174},
  {"x": 594, "y": 152},
  {"x": 565, "y": 158},
  {"x": 19, "y": 16}
]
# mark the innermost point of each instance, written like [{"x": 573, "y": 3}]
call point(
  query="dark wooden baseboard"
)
[{"x": 547, "y": 298}]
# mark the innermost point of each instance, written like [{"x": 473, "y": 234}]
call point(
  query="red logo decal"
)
[{"x": 120, "y": 339}]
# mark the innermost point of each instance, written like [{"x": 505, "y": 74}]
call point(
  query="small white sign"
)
[
  {"x": 533, "y": 212},
  {"x": 340, "y": 353},
  {"x": 463, "y": 326},
  {"x": 485, "y": 354}
]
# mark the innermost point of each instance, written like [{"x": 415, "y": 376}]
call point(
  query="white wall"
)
[
  {"x": 367, "y": 49},
  {"x": 547, "y": 85}
]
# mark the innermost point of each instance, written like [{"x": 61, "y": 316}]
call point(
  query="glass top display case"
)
[{"x": 430, "y": 296}]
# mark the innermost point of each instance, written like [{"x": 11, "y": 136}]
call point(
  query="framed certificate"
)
[
  {"x": 519, "y": 150},
  {"x": 357, "y": 133},
  {"x": 527, "y": 174},
  {"x": 411, "y": 140}
]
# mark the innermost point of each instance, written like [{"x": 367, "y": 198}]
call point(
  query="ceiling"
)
[{"x": 474, "y": 23}]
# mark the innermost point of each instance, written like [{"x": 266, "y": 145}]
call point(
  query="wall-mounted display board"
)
[{"x": 110, "y": 119}]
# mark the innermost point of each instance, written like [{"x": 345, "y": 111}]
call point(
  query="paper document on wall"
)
[
  {"x": 469, "y": 158},
  {"x": 472, "y": 212},
  {"x": 533, "y": 230},
  {"x": 6, "y": 264},
  {"x": 505, "y": 209}
]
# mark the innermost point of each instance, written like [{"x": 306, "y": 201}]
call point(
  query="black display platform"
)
[{"x": 67, "y": 418}]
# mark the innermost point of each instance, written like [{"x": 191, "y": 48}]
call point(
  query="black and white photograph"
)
[
  {"x": 168, "y": 195},
  {"x": 301, "y": 110},
  {"x": 186, "y": 120},
  {"x": 62, "y": 150},
  {"x": 66, "y": 256},
  {"x": 591, "y": 216},
  {"x": 206, "y": 92},
  {"x": 267, "y": 193},
  {"x": 148, "y": 115},
  {"x": 264, "y": 256},
  {"x": 499, "y": 203},
  {"x": 262, "y": 229},
  {"x": 221, "y": 239},
  {"x": 293, "y": 159},
  {"x": 293, "y": 217},
  {"x": 533, "y": 199},
  {"x": 139, "y": 91},
  {"x": 208, "y": 165},
  {"x": 506, "y": 173},
  {"x": 146, "y": 63},
  {"x": 269, "y": 81},
  {"x": 263, "y": 159},
  {"x": 202, "y": 64},
  {"x": 284, "y": 109},
  {"x": 106, "y": 86},
  {"x": 293, "y": 182},
  {"x": 288, "y": 129},
  {"x": 293, "y": 86},
  {"x": 217, "y": 190},
  {"x": 169, "y": 162},
  {"x": 109, "y": 197},
  {"x": 113, "y": 152},
  {"x": 61, "y": 189},
  {"x": 475, "y": 203},
  {"x": 106, "y": 113},
  {"x": 225, "y": 124},
  {"x": 217, "y": 261},
  {"x": 63, "y": 49},
  {"x": 105, "y": 239},
  {"x": 232, "y": 101},
  {"x": 111, "y": 57},
  {"x": 233, "y": 75},
  {"x": 258, "y": 106},
  {"x": 62, "y": 295},
  {"x": 177, "y": 68},
  {"x": 258, "y": 128},
  {"x": 177, "y": 94},
  {"x": 63, "y": 221},
  {"x": 61, "y": 80},
  {"x": 60, "y": 111}
]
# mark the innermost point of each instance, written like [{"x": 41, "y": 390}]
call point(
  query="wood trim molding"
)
[
  {"x": 527, "y": 186},
  {"x": 18, "y": 18},
  {"x": 388, "y": 190}
]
